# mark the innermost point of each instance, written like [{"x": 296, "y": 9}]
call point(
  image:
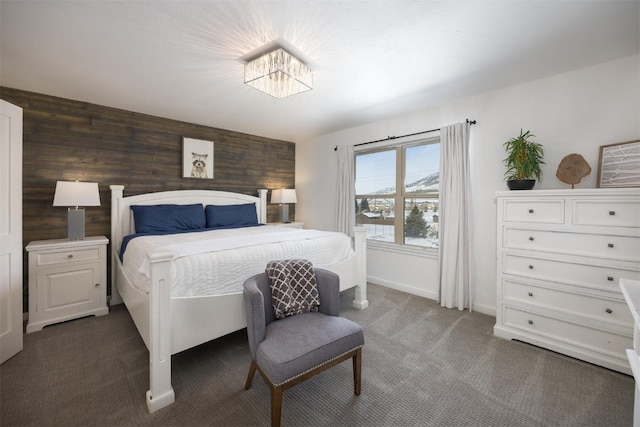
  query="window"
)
[{"x": 397, "y": 193}]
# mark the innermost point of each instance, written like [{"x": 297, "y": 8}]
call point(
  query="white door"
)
[{"x": 10, "y": 230}]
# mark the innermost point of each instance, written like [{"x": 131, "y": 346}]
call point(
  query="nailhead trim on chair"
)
[{"x": 317, "y": 366}]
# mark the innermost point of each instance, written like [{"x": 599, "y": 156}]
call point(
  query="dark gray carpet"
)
[{"x": 422, "y": 366}]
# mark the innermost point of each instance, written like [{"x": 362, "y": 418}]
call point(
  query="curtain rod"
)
[{"x": 471, "y": 122}]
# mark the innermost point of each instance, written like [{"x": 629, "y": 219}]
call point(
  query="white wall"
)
[{"x": 575, "y": 112}]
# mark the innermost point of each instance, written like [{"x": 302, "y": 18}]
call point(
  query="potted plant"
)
[{"x": 523, "y": 161}]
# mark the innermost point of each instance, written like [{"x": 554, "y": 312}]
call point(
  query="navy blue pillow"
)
[
  {"x": 168, "y": 218},
  {"x": 227, "y": 216}
]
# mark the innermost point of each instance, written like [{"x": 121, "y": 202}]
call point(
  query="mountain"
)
[{"x": 427, "y": 184}]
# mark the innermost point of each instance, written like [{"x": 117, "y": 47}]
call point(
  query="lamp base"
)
[
  {"x": 284, "y": 213},
  {"x": 75, "y": 223}
]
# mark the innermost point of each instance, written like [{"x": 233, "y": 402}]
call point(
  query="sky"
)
[{"x": 375, "y": 171}]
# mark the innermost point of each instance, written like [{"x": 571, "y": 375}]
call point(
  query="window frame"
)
[{"x": 400, "y": 195}]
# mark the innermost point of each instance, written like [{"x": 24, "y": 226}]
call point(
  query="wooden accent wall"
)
[{"x": 71, "y": 140}]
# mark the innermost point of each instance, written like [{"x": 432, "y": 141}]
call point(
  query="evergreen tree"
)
[
  {"x": 415, "y": 225},
  {"x": 364, "y": 205}
]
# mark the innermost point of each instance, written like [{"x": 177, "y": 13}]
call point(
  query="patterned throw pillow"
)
[{"x": 294, "y": 288}]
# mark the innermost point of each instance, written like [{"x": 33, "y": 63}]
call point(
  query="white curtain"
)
[
  {"x": 345, "y": 191},
  {"x": 454, "y": 272}
]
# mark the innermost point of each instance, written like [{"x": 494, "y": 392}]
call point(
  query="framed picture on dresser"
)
[{"x": 619, "y": 165}]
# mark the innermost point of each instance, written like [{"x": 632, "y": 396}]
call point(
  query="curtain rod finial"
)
[{"x": 471, "y": 122}]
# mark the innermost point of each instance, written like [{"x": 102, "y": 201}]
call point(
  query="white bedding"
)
[{"x": 217, "y": 262}]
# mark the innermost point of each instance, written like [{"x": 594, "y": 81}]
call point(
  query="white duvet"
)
[{"x": 218, "y": 262}]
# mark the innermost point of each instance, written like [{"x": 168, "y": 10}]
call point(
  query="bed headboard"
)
[{"x": 122, "y": 217}]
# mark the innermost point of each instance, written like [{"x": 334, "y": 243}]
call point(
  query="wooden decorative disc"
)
[{"x": 572, "y": 169}]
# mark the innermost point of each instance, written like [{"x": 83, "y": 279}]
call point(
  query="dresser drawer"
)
[
  {"x": 594, "y": 276},
  {"x": 61, "y": 257},
  {"x": 610, "y": 213},
  {"x": 606, "y": 342},
  {"x": 596, "y": 309},
  {"x": 538, "y": 211},
  {"x": 625, "y": 248}
]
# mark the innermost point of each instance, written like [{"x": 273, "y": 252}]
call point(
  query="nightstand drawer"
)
[
  {"x": 48, "y": 258},
  {"x": 536, "y": 211}
]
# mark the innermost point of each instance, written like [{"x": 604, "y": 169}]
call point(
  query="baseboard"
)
[
  {"x": 404, "y": 288},
  {"x": 485, "y": 309},
  {"x": 480, "y": 308}
]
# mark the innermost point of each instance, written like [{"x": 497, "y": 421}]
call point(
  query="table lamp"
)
[
  {"x": 75, "y": 194},
  {"x": 283, "y": 197}
]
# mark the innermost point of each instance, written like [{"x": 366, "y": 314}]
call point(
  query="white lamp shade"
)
[
  {"x": 283, "y": 196},
  {"x": 75, "y": 193}
]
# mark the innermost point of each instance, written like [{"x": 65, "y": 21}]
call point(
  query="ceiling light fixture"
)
[{"x": 278, "y": 73}]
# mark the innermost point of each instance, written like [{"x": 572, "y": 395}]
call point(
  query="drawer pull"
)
[
  {"x": 530, "y": 210},
  {"x": 609, "y": 311},
  {"x": 531, "y": 267},
  {"x": 610, "y": 245},
  {"x": 530, "y": 294},
  {"x": 531, "y": 322},
  {"x": 70, "y": 256},
  {"x": 531, "y": 238},
  {"x": 610, "y": 278},
  {"x": 612, "y": 213}
]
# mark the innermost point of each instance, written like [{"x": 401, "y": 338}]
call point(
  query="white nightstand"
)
[
  {"x": 67, "y": 280},
  {"x": 287, "y": 224}
]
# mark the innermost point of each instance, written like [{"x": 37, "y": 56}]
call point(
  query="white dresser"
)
[{"x": 560, "y": 257}]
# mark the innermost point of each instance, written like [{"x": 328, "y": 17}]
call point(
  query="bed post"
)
[
  {"x": 360, "y": 247},
  {"x": 116, "y": 240},
  {"x": 262, "y": 212},
  {"x": 160, "y": 393}
]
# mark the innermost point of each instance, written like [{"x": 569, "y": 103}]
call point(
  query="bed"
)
[{"x": 170, "y": 323}]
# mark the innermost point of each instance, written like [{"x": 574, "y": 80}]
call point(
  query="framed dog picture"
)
[
  {"x": 197, "y": 158},
  {"x": 619, "y": 165}
]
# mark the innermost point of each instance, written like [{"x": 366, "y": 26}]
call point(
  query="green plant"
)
[
  {"x": 524, "y": 158},
  {"x": 415, "y": 225}
]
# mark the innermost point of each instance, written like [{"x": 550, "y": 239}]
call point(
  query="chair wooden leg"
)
[
  {"x": 252, "y": 372},
  {"x": 357, "y": 371},
  {"x": 276, "y": 405}
]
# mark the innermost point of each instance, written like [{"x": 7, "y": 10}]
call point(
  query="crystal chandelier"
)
[{"x": 278, "y": 73}]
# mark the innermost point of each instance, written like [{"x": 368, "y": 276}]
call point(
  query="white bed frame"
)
[{"x": 169, "y": 325}]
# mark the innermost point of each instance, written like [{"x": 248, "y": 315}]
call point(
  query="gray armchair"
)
[{"x": 291, "y": 350}]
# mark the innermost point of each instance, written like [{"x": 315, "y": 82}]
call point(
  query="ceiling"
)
[{"x": 371, "y": 59}]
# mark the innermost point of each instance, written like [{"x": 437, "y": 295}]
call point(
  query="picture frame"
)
[
  {"x": 619, "y": 165},
  {"x": 197, "y": 158}
]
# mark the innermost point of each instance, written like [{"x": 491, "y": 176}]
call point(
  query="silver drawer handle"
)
[
  {"x": 609, "y": 311},
  {"x": 610, "y": 245},
  {"x": 531, "y": 322},
  {"x": 530, "y": 210},
  {"x": 610, "y": 278},
  {"x": 612, "y": 213},
  {"x": 531, "y": 238},
  {"x": 70, "y": 256}
]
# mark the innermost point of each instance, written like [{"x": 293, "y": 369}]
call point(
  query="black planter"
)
[{"x": 521, "y": 184}]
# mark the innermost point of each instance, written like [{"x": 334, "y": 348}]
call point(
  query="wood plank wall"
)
[{"x": 71, "y": 140}]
